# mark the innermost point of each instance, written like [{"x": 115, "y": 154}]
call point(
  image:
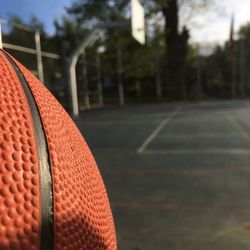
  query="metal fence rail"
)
[{"x": 35, "y": 51}]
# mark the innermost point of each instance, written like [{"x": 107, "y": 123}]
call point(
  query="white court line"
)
[
  {"x": 199, "y": 135},
  {"x": 232, "y": 151},
  {"x": 234, "y": 122},
  {"x": 108, "y": 123},
  {"x": 156, "y": 131}
]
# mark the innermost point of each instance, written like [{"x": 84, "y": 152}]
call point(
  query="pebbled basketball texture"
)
[{"x": 66, "y": 209}]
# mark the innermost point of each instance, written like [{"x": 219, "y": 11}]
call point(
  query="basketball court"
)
[{"x": 177, "y": 174}]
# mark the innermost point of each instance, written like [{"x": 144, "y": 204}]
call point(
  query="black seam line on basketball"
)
[{"x": 47, "y": 218}]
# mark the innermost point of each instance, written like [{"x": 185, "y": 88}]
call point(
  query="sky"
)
[
  {"x": 45, "y": 10},
  {"x": 214, "y": 26},
  {"x": 211, "y": 27}
]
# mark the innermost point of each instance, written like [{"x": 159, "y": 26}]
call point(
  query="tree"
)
[
  {"x": 176, "y": 49},
  {"x": 217, "y": 72},
  {"x": 21, "y": 34},
  {"x": 176, "y": 43},
  {"x": 85, "y": 14},
  {"x": 82, "y": 16},
  {"x": 244, "y": 43}
]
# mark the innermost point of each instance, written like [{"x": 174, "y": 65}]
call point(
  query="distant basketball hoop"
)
[
  {"x": 137, "y": 21},
  {"x": 138, "y": 32}
]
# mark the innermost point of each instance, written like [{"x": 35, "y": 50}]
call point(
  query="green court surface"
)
[{"x": 177, "y": 175}]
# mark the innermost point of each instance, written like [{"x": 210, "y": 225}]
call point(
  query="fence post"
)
[
  {"x": 99, "y": 78},
  {"x": 39, "y": 56},
  {"x": 158, "y": 76},
  {"x": 72, "y": 67},
  {"x": 71, "y": 64},
  {"x": 119, "y": 71},
  {"x": 198, "y": 76},
  {"x": 85, "y": 79},
  {"x": 242, "y": 67},
  {"x": 1, "y": 39}
]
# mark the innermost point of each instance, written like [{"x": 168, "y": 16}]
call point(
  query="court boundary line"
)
[
  {"x": 179, "y": 207},
  {"x": 231, "y": 151},
  {"x": 202, "y": 135},
  {"x": 157, "y": 130},
  {"x": 180, "y": 172},
  {"x": 238, "y": 127}
]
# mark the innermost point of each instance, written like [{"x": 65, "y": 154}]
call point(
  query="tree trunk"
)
[{"x": 176, "y": 50}]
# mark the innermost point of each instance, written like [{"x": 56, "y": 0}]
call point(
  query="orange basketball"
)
[{"x": 51, "y": 192}]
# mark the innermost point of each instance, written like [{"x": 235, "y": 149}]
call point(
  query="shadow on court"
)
[{"x": 178, "y": 175}]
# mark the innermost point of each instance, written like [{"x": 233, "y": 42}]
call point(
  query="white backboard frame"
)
[{"x": 137, "y": 21}]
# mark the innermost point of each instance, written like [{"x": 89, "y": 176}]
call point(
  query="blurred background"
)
[
  {"x": 167, "y": 120},
  {"x": 194, "y": 49}
]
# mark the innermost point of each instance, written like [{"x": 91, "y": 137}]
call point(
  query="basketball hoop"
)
[{"x": 137, "y": 21}]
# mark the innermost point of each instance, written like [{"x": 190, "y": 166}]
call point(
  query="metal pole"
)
[
  {"x": 158, "y": 76},
  {"x": 198, "y": 76},
  {"x": 74, "y": 57},
  {"x": 39, "y": 55},
  {"x": 119, "y": 71},
  {"x": 233, "y": 77},
  {"x": 30, "y": 51},
  {"x": 73, "y": 87},
  {"x": 1, "y": 40},
  {"x": 99, "y": 78},
  {"x": 85, "y": 79},
  {"x": 242, "y": 67},
  {"x": 72, "y": 68}
]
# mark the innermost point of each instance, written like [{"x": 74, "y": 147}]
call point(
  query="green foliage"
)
[
  {"x": 244, "y": 36},
  {"x": 138, "y": 61},
  {"x": 92, "y": 11},
  {"x": 218, "y": 70},
  {"x": 16, "y": 32},
  {"x": 68, "y": 34},
  {"x": 244, "y": 32}
]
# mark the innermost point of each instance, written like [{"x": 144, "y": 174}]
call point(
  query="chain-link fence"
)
[
  {"x": 223, "y": 73},
  {"x": 33, "y": 48},
  {"x": 112, "y": 76}
]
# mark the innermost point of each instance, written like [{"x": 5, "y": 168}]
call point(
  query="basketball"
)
[{"x": 52, "y": 195}]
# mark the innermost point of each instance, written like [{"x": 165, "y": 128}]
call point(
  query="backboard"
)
[{"x": 137, "y": 21}]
